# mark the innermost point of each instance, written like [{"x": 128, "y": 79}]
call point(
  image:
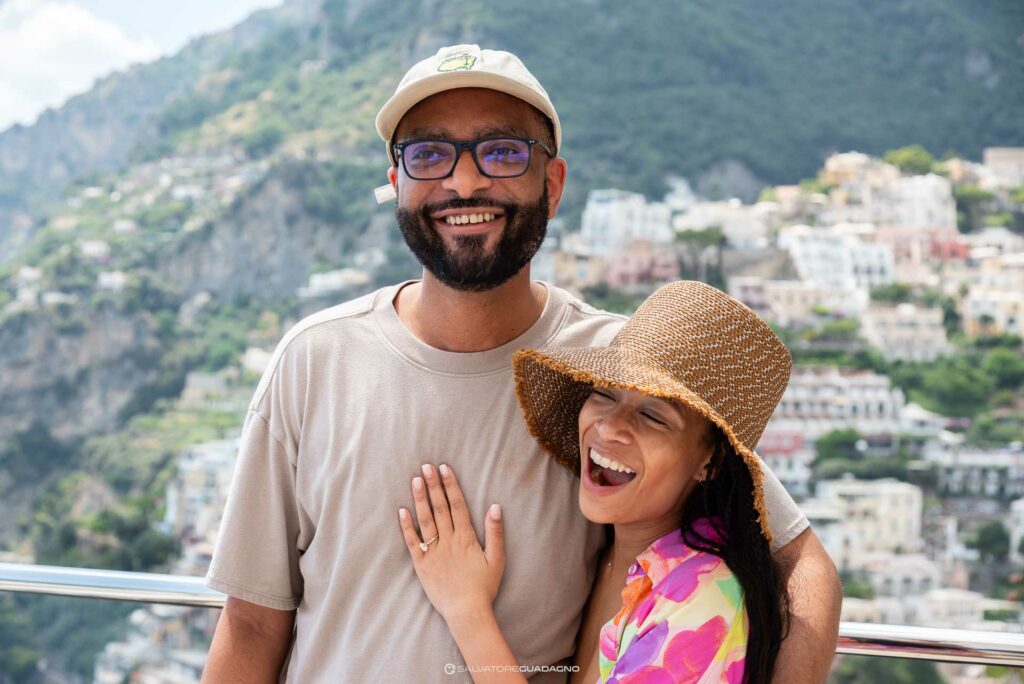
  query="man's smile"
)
[{"x": 468, "y": 221}]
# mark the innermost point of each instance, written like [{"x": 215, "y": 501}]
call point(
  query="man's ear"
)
[
  {"x": 554, "y": 177},
  {"x": 393, "y": 177}
]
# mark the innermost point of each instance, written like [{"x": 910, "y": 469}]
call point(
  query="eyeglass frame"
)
[{"x": 471, "y": 145}]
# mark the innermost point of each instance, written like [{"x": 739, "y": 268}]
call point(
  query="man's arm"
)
[
  {"x": 815, "y": 599},
  {"x": 249, "y": 645}
]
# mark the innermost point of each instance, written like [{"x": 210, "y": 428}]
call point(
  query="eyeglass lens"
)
[{"x": 498, "y": 158}]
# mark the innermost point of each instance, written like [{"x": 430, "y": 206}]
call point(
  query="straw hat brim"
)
[{"x": 552, "y": 386}]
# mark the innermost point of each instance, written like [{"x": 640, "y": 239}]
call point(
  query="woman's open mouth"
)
[{"x": 603, "y": 475}]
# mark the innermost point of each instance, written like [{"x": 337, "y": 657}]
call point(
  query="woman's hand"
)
[{"x": 460, "y": 578}]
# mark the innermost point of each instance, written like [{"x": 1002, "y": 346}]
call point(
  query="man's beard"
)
[{"x": 469, "y": 266}]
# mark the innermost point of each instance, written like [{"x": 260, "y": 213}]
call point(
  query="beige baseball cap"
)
[{"x": 464, "y": 66}]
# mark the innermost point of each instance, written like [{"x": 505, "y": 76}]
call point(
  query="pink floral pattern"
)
[{"x": 682, "y": 619}]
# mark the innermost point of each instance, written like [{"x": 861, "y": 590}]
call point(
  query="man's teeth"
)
[
  {"x": 609, "y": 463},
  {"x": 460, "y": 219}
]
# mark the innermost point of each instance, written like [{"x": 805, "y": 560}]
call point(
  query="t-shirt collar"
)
[{"x": 398, "y": 337}]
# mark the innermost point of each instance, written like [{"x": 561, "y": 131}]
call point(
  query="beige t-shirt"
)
[{"x": 350, "y": 407}]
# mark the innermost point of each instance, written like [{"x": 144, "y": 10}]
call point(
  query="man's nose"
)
[{"x": 466, "y": 179}]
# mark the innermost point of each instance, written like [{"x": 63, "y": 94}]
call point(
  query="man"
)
[{"x": 358, "y": 397}]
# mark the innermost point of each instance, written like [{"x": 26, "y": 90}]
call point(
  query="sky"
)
[{"x": 51, "y": 50}]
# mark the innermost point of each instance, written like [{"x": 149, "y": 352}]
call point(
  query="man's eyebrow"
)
[
  {"x": 432, "y": 133},
  {"x": 506, "y": 129},
  {"x": 425, "y": 133}
]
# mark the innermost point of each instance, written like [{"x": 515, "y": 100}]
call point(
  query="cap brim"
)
[{"x": 552, "y": 386}]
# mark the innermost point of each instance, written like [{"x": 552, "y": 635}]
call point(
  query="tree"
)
[
  {"x": 1005, "y": 367},
  {"x": 956, "y": 388},
  {"x": 894, "y": 293},
  {"x": 971, "y": 201},
  {"x": 856, "y": 586},
  {"x": 991, "y": 540},
  {"x": 838, "y": 444},
  {"x": 692, "y": 252},
  {"x": 869, "y": 670},
  {"x": 913, "y": 160}
]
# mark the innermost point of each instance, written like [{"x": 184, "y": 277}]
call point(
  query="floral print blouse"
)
[{"x": 682, "y": 619}]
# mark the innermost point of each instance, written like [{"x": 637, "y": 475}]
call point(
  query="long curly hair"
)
[{"x": 726, "y": 499}]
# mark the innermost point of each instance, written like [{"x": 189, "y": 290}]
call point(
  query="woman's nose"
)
[{"x": 614, "y": 426}]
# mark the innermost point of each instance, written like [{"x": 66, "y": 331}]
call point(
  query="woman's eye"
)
[
  {"x": 602, "y": 395},
  {"x": 653, "y": 418}
]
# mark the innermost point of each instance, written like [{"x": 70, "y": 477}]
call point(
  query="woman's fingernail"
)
[
  {"x": 417, "y": 483},
  {"x": 402, "y": 513},
  {"x": 445, "y": 470},
  {"x": 426, "y": 470},
  {"x": 495, "y": 512}
]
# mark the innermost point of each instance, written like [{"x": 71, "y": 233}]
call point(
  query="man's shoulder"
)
[
  {"x": 331, "y": 318},
  {"x": 331, "y": 326},
  {"x": 586, "y": 325}
]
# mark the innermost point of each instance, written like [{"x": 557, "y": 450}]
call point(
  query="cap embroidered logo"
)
[{"x": 457, "y": 62}]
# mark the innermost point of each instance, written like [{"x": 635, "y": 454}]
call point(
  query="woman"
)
[{"x": 660, "y": 426}]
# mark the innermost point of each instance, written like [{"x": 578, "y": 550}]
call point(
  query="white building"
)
[
  {"x": 828, "y": 519},
  {"x": 97, "y": 250},
  {"x": 1016, "y": 530},
  {"x": 996, "y": 303},
  {"x": 820, "y": 399},
  {"x": 788, "y": 302},
  {"x": 905, "y": 332},
  {"x": 995, "y": 240},
  {"x": 964, "y": 470},
  {"x": 28, "y": 276},
  {"x": 1006, "y": 164},
  {"x": 333, "y": 282},
  {"x": 112, "y": 280},
  {"x": 884, "y": 515},
  {"x": 839, "y": 257},
  {"x": 789, "y": 456},
  {"x": 917, "y": 421},
  {"x": 955, "y": 608},
  {"x": 613, "y": 219},
  {"x": 744, "y": 226},
  {"x": 901, "y": 575},
  {"x": 925, "y": 201},
  {"x": 196, "y": 497}
]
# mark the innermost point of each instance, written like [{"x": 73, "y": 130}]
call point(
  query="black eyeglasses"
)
[{"x": 494, "y": 157}]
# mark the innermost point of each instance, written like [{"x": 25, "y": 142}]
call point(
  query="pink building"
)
[{"x": 642, "y": 264}]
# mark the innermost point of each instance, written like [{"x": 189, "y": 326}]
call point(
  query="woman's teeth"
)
[
  {"x": 461, "y": 219},
  {"x": 609, "y": 463}
]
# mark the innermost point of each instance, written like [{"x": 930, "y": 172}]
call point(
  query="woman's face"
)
[{"x": 640, "y": 457}]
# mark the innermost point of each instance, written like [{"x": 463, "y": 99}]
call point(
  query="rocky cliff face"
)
[
  {"x": 72, "y": 374},
  {"x": 266, "y": 245}
]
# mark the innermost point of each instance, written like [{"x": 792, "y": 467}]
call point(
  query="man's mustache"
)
[{"x": 468, "y": 203}]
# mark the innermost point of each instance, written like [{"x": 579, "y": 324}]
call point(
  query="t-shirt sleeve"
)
[
  {"x": 785, "y": 519},
  {"x": 256, "y": 557}
]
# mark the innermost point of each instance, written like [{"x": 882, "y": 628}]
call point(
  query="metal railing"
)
[{"x": 855, "y": 638}]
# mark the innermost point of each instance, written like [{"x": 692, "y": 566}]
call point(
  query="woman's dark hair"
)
[{"x": 726, "y": 499}]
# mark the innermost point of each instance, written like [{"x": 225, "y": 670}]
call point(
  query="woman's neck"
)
[{"x": 632, "y": 539}]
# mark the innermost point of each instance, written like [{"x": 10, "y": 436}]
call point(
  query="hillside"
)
[{"x": 673, "y": 89}]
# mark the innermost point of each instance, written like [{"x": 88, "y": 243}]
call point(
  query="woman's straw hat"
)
[{"x": 688, "y": 342}]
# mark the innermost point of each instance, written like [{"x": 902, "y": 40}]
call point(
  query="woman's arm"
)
[{"x": 460, "y": 578}]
